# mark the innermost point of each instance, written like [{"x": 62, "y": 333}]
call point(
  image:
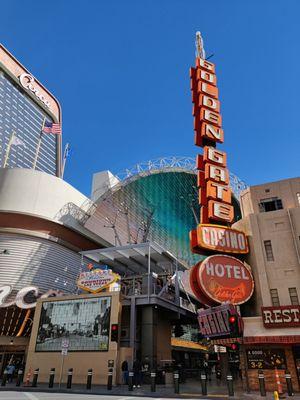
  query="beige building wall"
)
[
  {"x": 280, "y": 227},
  {"x": 79, "y": 361}
]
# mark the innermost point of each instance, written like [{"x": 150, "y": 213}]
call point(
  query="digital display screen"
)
[
  {"x": 84, "y": 323},
  {"x": 259, "y": 358}
]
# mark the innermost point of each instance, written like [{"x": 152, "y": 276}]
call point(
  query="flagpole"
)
[
  {"x": 8, "y": 149},
  {"x": 38, "y": 145},
  {"x": 67, "y": 146}
]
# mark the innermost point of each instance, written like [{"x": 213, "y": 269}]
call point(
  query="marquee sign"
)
[
  {"x": 211, "y": 238},
  {"x": 213, "y": 322},
  {"x": 213, "y": 175},
  {"x": 96, "y": 280},
  {"x": 221, "y": 278},
  {"x": 281, "y": 316}
]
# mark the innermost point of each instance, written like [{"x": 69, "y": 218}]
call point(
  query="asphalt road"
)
[{"x": 67, "y": 396}]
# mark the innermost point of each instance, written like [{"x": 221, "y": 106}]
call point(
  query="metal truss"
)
[{"x": 174, "y": 164}]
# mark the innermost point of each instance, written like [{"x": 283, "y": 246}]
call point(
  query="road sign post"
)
[{"x": 64, "y": 351}]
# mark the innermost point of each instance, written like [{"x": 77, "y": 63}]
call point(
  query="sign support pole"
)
[
  {"x": 246, "y": 367},
  {"x": 38, "y": 145},
  {"x": 8, "y": 149},
  {"x": 61, "y": 370},
  {"x": 149, "y": 271}
]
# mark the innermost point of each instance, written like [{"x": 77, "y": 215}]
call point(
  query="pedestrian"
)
[
  {"x": 124, "y": 368},
  {"x": 137, "y": 373},
  {"x": 218, "y": 373},
  {"x": 10, "y": 369}
]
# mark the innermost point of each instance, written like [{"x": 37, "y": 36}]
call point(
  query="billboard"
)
[{"x": 84, "y": 322}]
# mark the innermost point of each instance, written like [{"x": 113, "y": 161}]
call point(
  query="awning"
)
[{"x": 136, "y": 258}]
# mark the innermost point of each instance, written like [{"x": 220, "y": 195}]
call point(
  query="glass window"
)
[
  {"x": 271, "y": 204},
  {"x": 294, "y": 296},
  {"x": 84, "y": 323},
  {"x": 274, "y": 297},
  {"x": 268, "y": 250}
]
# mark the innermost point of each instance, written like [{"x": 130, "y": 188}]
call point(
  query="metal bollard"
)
[
  {"x": 153, "y": 381},
  {"x": 19, "y": 377},
  {"x": 176, "y": 382},
  {"x": 70, "y": 376},
  {"x": 89, "y": 379},
  {"x": 4, "y": 379},
  {"x": 203, "y": 384},
  {"x": 51, "y": 377},
  {"x": 230, "y": 385},
  {"x": 261, "y": 380},
  {"x": 35, "y": 377},
  {"x": 289, "y": 383},
  {"x": 130, "y": 381},
  {"x": 109, "y": 378}
]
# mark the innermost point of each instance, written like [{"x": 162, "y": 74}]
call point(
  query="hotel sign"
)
[
  {"x": 220, "y": 279},
  {"x": 281, "y": 316},
  {"x": 27, "y": 81},
  {"x": 96, "y": 280}
]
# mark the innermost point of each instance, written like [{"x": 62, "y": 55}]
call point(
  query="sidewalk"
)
[{"x": 162, "y": 391}]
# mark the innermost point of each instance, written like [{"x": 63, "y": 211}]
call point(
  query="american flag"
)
[{"x": 51, "y": 127}]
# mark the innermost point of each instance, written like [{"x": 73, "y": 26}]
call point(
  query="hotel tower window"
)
[
  {"x": 271, "y": 204},
  {"x": 294, "y": 296},
  {"x": 269, "y": 250},
  {"x": 20, "y": 115},
  {"x": 274, "y": 297}
]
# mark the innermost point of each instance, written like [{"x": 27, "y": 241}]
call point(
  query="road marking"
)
[
  {"x": 31, "y": 396},
  {"x": 126, "y": 398},
  {"x": 208, "y": 395}
]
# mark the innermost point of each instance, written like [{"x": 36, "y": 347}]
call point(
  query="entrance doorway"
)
[{"x": 12, "y": 355}]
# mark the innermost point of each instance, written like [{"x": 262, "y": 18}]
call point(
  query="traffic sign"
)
[
  {"x": 64, "y": 351},
  {"x": 65, "y": 343}
]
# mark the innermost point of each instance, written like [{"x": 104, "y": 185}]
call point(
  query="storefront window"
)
[{"x": 84, "y": 322}]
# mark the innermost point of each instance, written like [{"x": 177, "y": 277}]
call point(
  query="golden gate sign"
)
[
  {"x": 213, "y": 175},
  {"x": 219, "y": 278}
]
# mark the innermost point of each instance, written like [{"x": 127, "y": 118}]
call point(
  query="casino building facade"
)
[{"x": 24, "y": 104}]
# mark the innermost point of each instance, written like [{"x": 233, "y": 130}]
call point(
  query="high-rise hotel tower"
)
[{"x": 24, "y": 105}]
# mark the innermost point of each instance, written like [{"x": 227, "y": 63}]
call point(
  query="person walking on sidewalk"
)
[
  {"x": 137, "y": 373},
  {"x": 124, "y": 368}
]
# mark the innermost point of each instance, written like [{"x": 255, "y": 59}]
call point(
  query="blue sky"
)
[{"x": 120, "y": 70}]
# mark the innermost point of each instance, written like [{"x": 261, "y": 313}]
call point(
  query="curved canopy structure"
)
[{"x": 156, "y": 201}]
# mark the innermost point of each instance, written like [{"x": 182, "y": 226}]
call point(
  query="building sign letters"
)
[
  {"x": 27, "y": 81},
  {"x": 281, "y": 316},
  {"x": 213, "y": 175},
  {"x": 211, "y": 238},
  {"x": 223, "y": 279},
  {"x": 20, "y": 299}
]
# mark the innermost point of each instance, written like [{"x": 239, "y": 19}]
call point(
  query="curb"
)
[{"x": 112, "y": 393}]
